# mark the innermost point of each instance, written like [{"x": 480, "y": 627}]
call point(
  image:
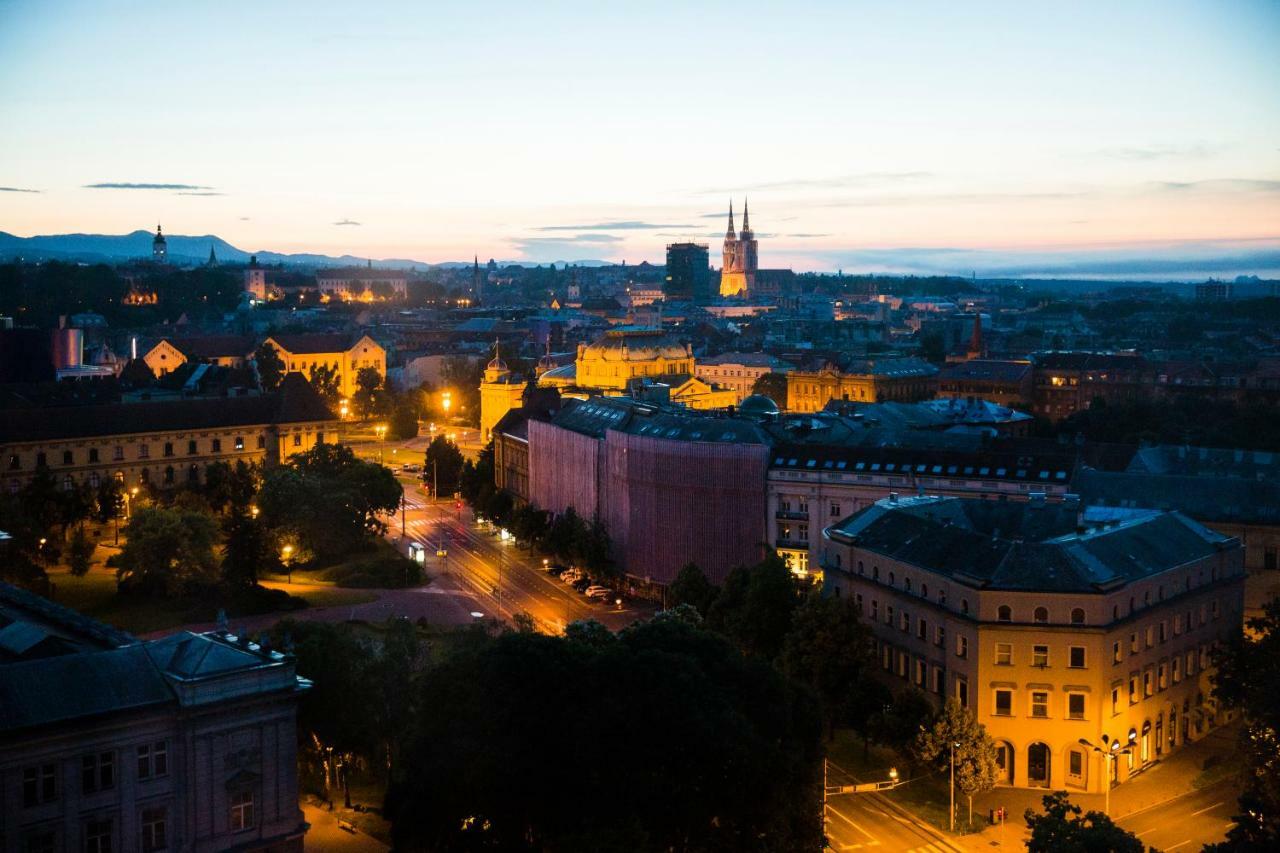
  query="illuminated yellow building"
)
[
  {"x": 342, "y": 353},
  {"x": 169, "y": 354},
  {"x": 500, "y": 392}
]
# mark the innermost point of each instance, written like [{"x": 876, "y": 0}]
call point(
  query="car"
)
[
  {"x": 556, "y": 568},
  {"x": 570, "y": 576},
  {"x": 601, "y": 593},
  {"x": 582, "y": 585},
  {"x": 411, "y": 468},
  {"x": 594, "y": 588}
]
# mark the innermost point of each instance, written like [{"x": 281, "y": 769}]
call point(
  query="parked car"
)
[
  {"x": 581, "y": 586},
  {"x": 411, "y": 468},
  {"x": 595, "y": 588},
  {"x": 601, "y": 593}
]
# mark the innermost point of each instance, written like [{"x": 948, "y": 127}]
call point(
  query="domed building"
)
[
  {"x": 500, "y": 392},
  {"x": 759, "y": 405},
  {"x": 627, "y": 358}
]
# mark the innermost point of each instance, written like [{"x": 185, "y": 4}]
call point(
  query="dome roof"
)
[
  {"x": 634, "y": 345},
  {"x": 758, "y": 404},
  {"x": 497, "y": 364}
]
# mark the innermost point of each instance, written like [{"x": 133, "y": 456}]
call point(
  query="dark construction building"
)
[{"x": 688, "y": 273}]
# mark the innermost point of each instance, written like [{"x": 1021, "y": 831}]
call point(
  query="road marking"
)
[
  {"x": 1208, "y": 808},
  {"x": 1179, "y": 844},
  {"x": 849, "y": 821}
]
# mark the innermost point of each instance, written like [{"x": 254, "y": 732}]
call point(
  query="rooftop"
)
[{"x": 1029, "y": 545}]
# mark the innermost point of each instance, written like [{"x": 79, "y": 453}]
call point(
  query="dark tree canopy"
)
[
  {"x": 270, "y": 366},
  {"x": 1061, "y": 829},
  {"x": 677, "y": 741}
]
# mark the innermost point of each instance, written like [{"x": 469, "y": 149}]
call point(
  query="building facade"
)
[
  {"x": 168, "y": 354},
  {"x": 186, "y": 743},
  {"x": 738, "y": 371},
  {"x": 345, "y": 354},
  {"x": 1009, "y": 383},
  {"x": 161, "y": 444},
  {"x": 500, "y": 392},
  {"x": 860, "y": 380},
  {"x": 1053, "y": 625},
  {"x": 688, "y": 273}
]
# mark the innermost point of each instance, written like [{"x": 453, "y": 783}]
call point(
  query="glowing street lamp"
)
[
  {"x": 285, "y": 553},
  {"x": 446, "y": 401},
  {"x": 344, "y": 408},
  {"x": 1110, "y": 751}
]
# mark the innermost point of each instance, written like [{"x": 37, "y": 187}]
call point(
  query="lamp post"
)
[
  {"x": 952, "y": 813},
  {"x": 1110, "y": 751},
  {"x": 285, "y": 553},
  {"x": 381, "y": 431}
]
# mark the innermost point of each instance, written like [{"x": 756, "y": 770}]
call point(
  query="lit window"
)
[
  {"x": 1040, "y": 656},
  {"x": 1004, "y": 654},
  {"x": 1039, "y": 703},
  {"x": 241, "y": 811}
]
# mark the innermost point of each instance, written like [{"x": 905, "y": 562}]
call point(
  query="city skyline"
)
[{"x": 1132, "y": 142}]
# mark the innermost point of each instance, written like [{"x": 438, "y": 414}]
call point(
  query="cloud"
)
[
  {"x": 199, "y": 193},
  {"x": 17, "y": 190},
  {"x": 865, "y": 179},
  {"x": 245, "y": 219},
  {"x": 345, "y": 221},
  {"x": 1194, "y": 151},
  {"x": 576, "y": 238},
  {"x": 115, "y": 185},
  {"x": 804, "y": 235},
  {"x": 1241, "y": 185},
  {"x": 626, "y": 225}
]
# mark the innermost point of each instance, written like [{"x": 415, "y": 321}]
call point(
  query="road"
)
[
  {"x": 503, "y": 578},
  {"x": 867, "y": 822},
  {"x": 1188, "y": 822}
]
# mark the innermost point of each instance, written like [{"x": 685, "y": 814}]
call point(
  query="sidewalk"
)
[{"x": 1161, "y": 782}]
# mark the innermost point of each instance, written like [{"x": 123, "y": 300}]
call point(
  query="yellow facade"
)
[
  {"x": 500, "y": 392},
  {"x": 304, "y": 353},
  {"x": 621, "y": 355}
]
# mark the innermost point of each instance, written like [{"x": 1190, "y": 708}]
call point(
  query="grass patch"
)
[
  {"x": 325, "y": 596},
  {"x": 380, "y": 566}
]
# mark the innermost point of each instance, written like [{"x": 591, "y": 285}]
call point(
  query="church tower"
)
[
  {"x": 500, "y": 392},
  {"x": 159, "y": 248},
  {"x": 738, "y": 272}
]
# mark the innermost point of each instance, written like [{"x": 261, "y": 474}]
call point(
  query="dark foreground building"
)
[{"x": 186, "y": 743}]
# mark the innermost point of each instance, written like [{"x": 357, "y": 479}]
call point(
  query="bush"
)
[{"x": 385, "y": 572}]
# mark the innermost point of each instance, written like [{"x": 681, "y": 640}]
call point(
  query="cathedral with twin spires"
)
[{"x": 738, "y": 273}]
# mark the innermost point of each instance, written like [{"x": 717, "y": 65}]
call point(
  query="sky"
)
[{"x": 1125, "y": 138}]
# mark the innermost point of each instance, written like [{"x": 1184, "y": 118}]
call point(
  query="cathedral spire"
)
[
  {"x": 730, "y": 235},
  {"x": 746, "y": 218}
]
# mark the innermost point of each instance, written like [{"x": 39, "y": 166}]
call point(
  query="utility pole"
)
[
  {"x": 952, "y": 814},
  {"x": 435, "y": 480},
  {"x": 402, "y": 503}
]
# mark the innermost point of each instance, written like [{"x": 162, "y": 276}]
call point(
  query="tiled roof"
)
[
  {"x": 295, "y": 402},
  {"x": 313, "y": 344},
  {"x": 1024, "y": 546},
  {"x": 1044, "y": 469},
  {"x": 214, "y": 346},
  {"x": 1209, "y": 499}
]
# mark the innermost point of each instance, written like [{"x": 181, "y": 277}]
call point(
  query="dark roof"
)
[
  {"x": 987, "y": 370},
  {"x": 1009, "y": 462},
  {"x": 53, "y": 689},
  {"x": 598, "y": 414},
  {"x": 295, "y": 402},
  {"x": 1028, "y": 546},
  {"x": 16, "y": 602},
  {"x": 1089, "y": 361},
  {"x": 886, "y": 367},
  {"x": 1207, "y": 499},
  {"x": 213, "y": 346},
  {"x": 316, "y": 343}
]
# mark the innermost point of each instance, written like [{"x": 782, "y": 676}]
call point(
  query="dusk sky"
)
[{"x": 1037, "y": 138}]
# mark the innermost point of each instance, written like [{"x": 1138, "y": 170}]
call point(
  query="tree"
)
[
  {"x": 79, "y": 553},
  {"x": 723, "y": 753},
  {"x": 443, "y": 469},
  {"x": 826, "y": 648},
  {"x": 324, "y": 379},
  {"x": 404, "y": 423},
  {"x": 327, "y": 499},
  {"x": 591, "y": 550},
  {"x": 1061, "y": 829},
  {"x": 231, "y": 486},
  {"x": 754, "y": 607},
  {"x": 462, "y": 376},
  {"x": 109, "y": 500},
  {"x": 957, "y": 728},
  {"x": 367, "y": 399},
  {"x": 901, "y": 722},
  {"x": 864, "y": 708},
  {"x": 692, "y": 587},
  {"x": 248, "y": 550},
  {"x": 1247, "y": 678},
  {"x": 774, "y": 386},
  {"x": 168, "y": 552},
  {"x": 270, "y": 366}
]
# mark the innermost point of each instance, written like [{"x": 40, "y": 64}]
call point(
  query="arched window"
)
[
  {"x": 964, "y": 606},
  {"x": 891, "y": 579},
  {"x": 875, "y": 573},
  {"x": 1004, "y": 613},
  {"x": 1041, "y": 615},
  {"x": 1077, "y": 616},
  {"x": 906, "y": 582}
]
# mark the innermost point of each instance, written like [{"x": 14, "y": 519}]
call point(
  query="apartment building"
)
[
  {"x": 342, "y": 353},
  {"x": 1051, "y": 623}
]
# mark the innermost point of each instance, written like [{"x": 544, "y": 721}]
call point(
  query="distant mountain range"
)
[{"x": 187, "y": 250}]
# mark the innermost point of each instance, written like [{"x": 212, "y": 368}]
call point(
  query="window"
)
[
  {"x": 297, "y": 442},
  {"x": 1115, "y": 701},
  {"x": 1146, "y": 683},
  {"x": 1151, "y": 635},
  {"x": 875, "y": 610},
  {"x": 1162, "y": 676},
  {"x": 1133, "y": 643},
  {"x": 921, "y": 669},
  {"x": 1040, "y": 656},
  {"x": 964, "y": 606},
  {"x": 1075, "y": 763},
  {"x": 1004, "y": 613},
  {"x": 1077, "y": 616},
  {"x": 1040, "y": 615},
  {"x": 922, "y": 629},
  {"x": 15, "y": 462},
  {"x": 888, "y": 614},
  {"x": 1075, "y": 706},
  {"x": 117, "y": 453},
  {"x": 144, "y": 451},
  {"x": 905, "y": 622},
  {"x": 1133, "y": 690},
  {"x": 241, "y": 811},
  {"x": 262, "y": 442},
  {"x": 93, "y": 454},
  {"x": 153, "y": 760},
  {"x": 962, "y": 647},
  {"x": 168, "y": 474},
  {"x": 39, "y": 785},
  {"x": 1004, "y": 654},
  {"x": 216, "y": 445},
  {"x": 68, "y": 458},
  {"x": 1115, "y": 652},
  {"x": 1076, "y": 660},
  {"x": 1004, "y": 703},
  {"x": 835, "y": 510},
  {"x": 937, "y": 680},
  {"x": 98, "y": 772},
  {"x": 97, "y": 836},
  {"x": 1164, "y": 630},
  {"x": 154, "y": 831},
  {"x": 940, "y": 636},
  {"x": 192, "y": 447},
  {"x": 1177, "y": 669},
  {"x": 42, "y": 460},
  {"x": 239, "y": 442},
  {"x": 168, "y": 448},
  {"x": 962, "y": 692},
  {"x": 1039, "y": 703}
]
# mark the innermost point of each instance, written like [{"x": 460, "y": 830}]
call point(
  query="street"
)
[
  {"x": 503, "y": 578},
  {"x": 868, "y": 821},
  {"x": 1187, "y": 823}
]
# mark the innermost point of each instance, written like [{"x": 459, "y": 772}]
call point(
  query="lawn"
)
[{"x": 95, "y": 595}]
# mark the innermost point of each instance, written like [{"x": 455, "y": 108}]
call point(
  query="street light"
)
[
  {"x": 1110, "y": 751},
  {"x": 381, "y": 431},
  {"x": 285, "y": 553},
  {"x": 953, "y": 787},
  {"x": 446, "y": 401}
]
